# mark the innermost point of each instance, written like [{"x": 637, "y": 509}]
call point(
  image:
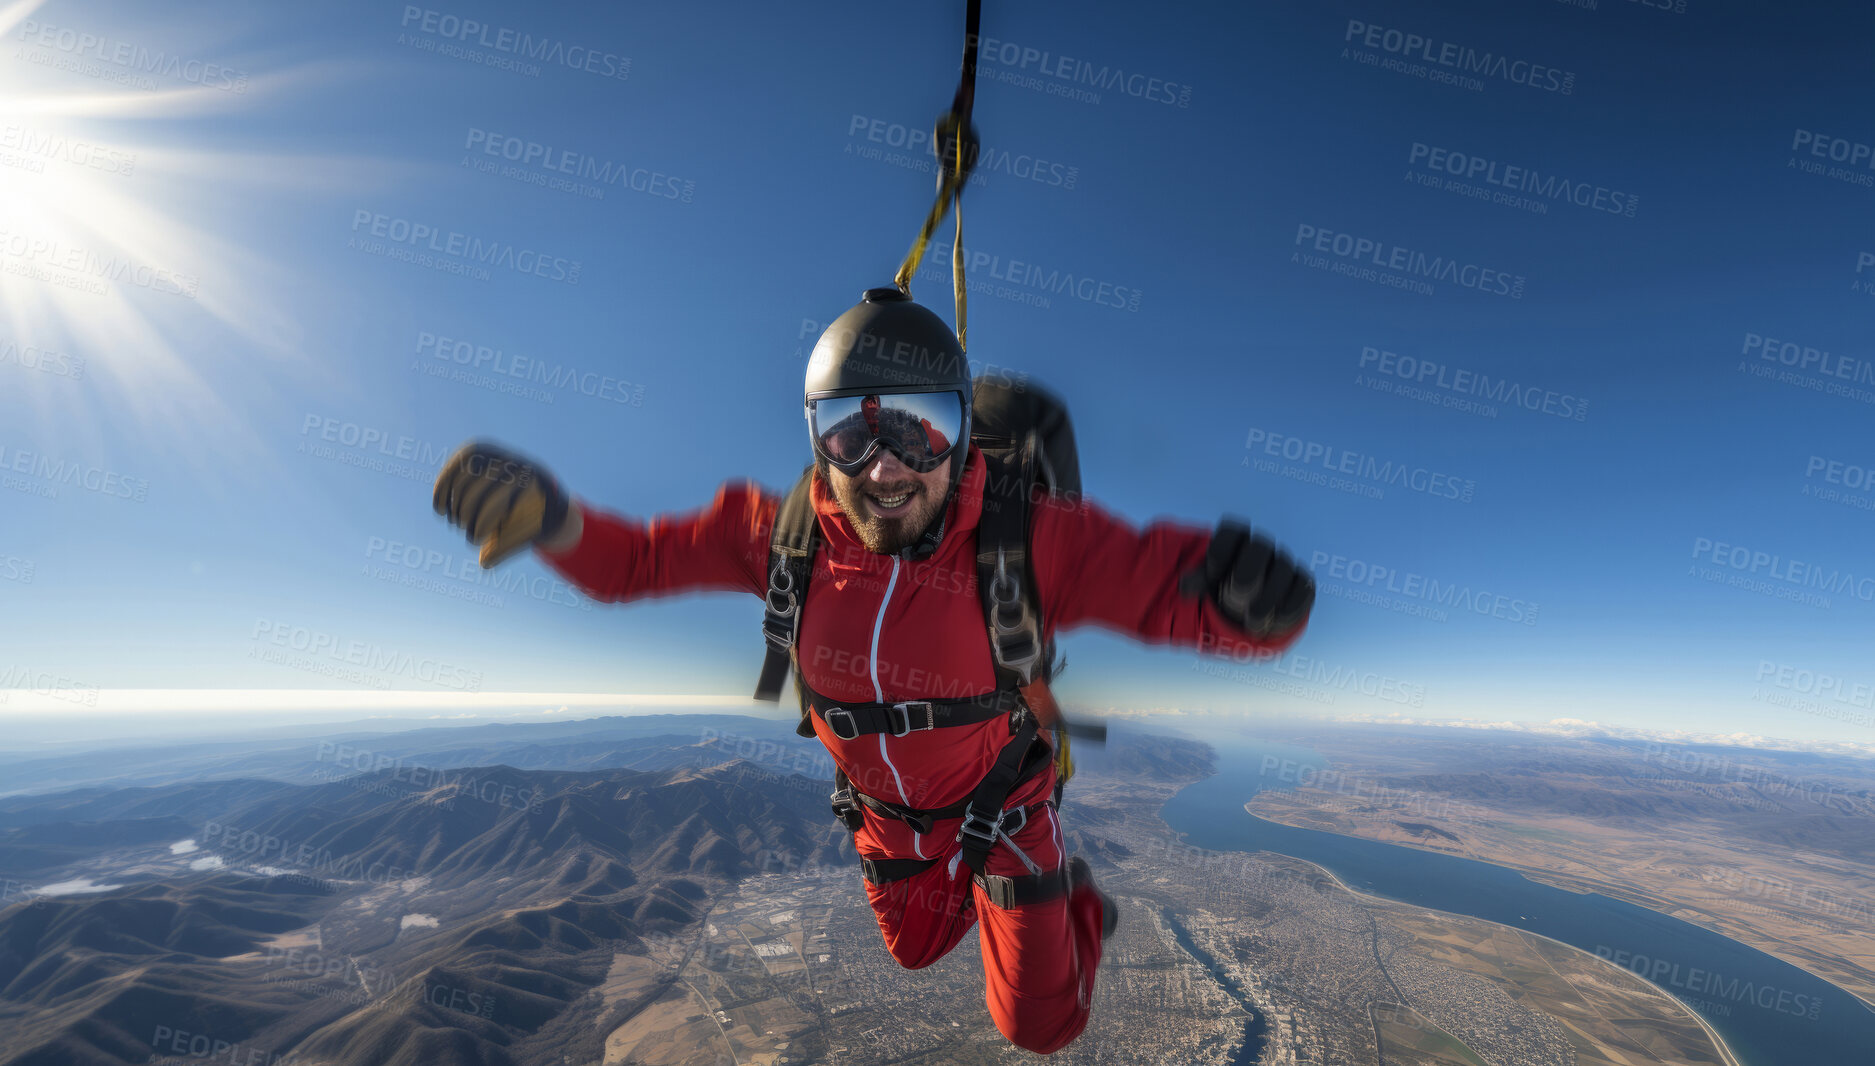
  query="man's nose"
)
[{"x": 887, "y": 467}]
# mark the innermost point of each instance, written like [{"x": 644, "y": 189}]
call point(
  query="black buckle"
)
[
  {"x": 846, "y": 808},
  {"x": 930, "y": 717},
  {"x": 1022, "y": 821},
  {"x": 972, "y": 820},
  {"x": 852, "y": 722}
]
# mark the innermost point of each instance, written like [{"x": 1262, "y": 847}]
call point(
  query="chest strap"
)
[{"x": 850, "y": 721}]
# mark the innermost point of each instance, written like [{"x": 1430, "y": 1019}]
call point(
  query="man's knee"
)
[
  {"x": 1043, "y": 1034},
  {"x": 916, "y": 954}
]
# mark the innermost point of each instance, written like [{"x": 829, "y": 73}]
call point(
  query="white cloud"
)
[
  {"x": 1583, "y": 728},
  {"x": 168, "y": 701}
]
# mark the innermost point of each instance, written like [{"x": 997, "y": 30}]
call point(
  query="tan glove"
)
[{"x": 504, "y": 502}]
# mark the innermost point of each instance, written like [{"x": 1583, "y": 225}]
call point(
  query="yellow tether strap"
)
[{"x": 953, "y": 131}]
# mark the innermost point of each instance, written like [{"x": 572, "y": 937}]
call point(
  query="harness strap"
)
[
  {"x": 981, "y": 829},
  {"x": 1004, "y": 580},
  {"x": 790, "y": 566},
  {"x": 1009, "y": 892},
  {"x": 886, "y": 871},
  {"x": 850, "y": 721},
  {"x": 1029, "y": 762},
  {"x": 925, "y": 819}
]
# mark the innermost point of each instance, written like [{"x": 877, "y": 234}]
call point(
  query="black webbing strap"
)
[
  {"x": 850, "y": 721},
  {"x": 886, "y": 871},
  {"x": 1007, "y": 892},
  {"x": 790, "y": 565},
  {"x": 924, "y": 818},
  {"x": 983, "y": 812},
  {"x": 1003, "y": 578},
  {"x": 1029, "y": 759}
]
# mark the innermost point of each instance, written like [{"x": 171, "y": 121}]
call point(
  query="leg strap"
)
[
  {"x": 886, "y": 871},
  {"x": 1008, "y": 892}
]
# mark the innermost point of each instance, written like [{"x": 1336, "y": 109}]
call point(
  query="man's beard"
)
[{"x": 887, "y": 535}]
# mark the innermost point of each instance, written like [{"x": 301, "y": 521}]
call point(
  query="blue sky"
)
[{"x": 189, "y": 494}]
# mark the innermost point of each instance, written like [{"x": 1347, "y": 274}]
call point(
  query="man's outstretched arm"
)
[
  {"x": 723, "y": 546},
  {"x": 505, "y": 502},
  {"x": 1222, "y": 591}
]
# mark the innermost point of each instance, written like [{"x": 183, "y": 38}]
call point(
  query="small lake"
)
[{"x": 1770, "y": 1012}]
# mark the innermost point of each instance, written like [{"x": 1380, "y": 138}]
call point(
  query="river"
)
[
  {"x": 1255, "y": 1026},
  {"x": 1770, "y": 1012}
]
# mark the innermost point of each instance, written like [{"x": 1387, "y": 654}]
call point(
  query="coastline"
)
[
  {"x": 1570, "y": 883},
  {"x": 1718, "y": 1042}
]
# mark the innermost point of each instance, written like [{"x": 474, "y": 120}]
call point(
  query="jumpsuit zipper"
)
[{"x": 878, "y": 695}]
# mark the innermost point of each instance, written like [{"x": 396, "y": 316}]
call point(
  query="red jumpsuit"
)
[{"x": 878, "y": 628}]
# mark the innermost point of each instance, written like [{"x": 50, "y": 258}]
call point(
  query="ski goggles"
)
[{"x": 921, "y": 428}]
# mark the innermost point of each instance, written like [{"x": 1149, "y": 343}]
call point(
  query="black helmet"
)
[
  {"x": 888, "y": 344},
  {"x": 884, "y": 343}
]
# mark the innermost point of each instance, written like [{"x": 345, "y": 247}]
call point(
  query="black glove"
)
[
  {"x": 503, "y": 501},
  {"x": 1256, "y": 585}
]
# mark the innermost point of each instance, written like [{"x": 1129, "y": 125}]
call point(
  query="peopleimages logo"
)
[
  {"x": 1714, "y": 984},
  {"x": 1460, "y": 384},
  {"x": 1835, "y": 481},
  {"x": 1373, "y": 470},
  {"x": 916, "y": 140},
  {"x": 1748, "y": 563},
  {"x": 405, "y": 236},
  {"x": 55, "y": 472},
  {"x": 1816, "y": 684},
  {"x": 1031, "y": 280},
  {"x": 1362, "y": 575},
  {"x": 1355, "y": 255},
  {"x": 315, "y": 646},
  {"x": 495, "y": 361},
  {"x": 535, "y": 155},
  {"x": 1316, "y": 672},
  {"x": 131, "y": 56},
  {"x": 1791, "y": 363},
  {"x": 459, "y": 31},
  {"x": 79, "y": 262},
  {"x": 1063, "y": 71},
  {"x": 1517, "y": 179},
  {"x": 1803, "y": 357},
  {"x": 1459, "y": 57},
  {"x": 363, "y": 438},
  {"x": 44, "y": 145},
  {"x": 1856, "y": 155}
]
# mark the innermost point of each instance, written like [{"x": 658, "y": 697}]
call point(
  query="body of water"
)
[
  {"x": 1770, "y": 1012},
  {"x": 1255, "y": 1027}
]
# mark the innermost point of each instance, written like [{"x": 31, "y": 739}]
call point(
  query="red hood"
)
[{"x": 961, "y": 514}]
